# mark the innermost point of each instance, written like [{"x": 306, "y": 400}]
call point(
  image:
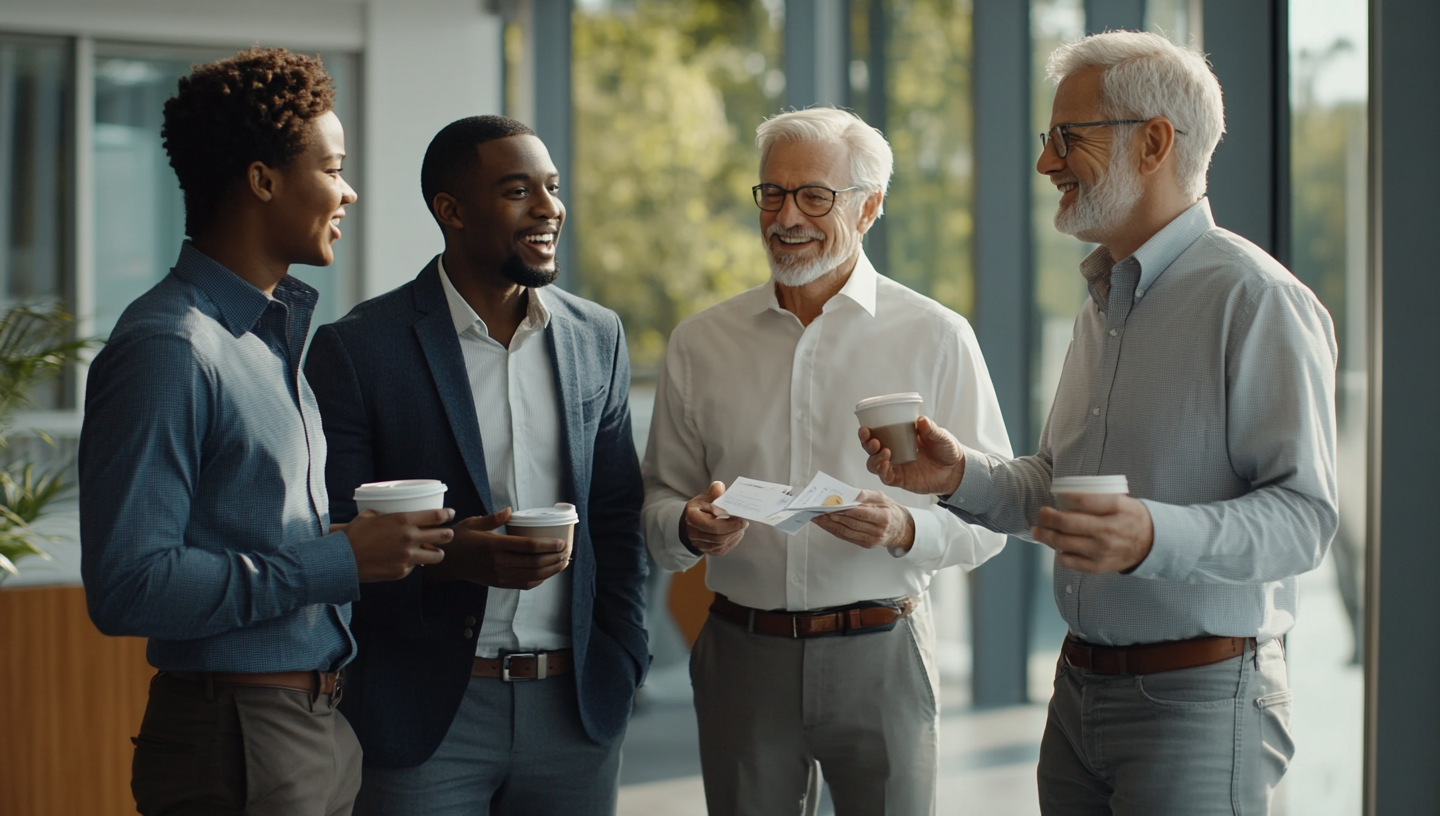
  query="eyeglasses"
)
[
  {"x": 812, "y": 199},
  {"x": 1062, "y": 147}
]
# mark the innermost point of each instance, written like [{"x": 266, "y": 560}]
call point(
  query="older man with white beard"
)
[
  {"x": 818, "y": 656},
  {"x": 1204, "y": 372}
]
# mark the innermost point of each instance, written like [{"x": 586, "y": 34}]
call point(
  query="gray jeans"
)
[
  {"x": 226, "y": 750},
  {"x": 862, "y": 707},
  {"x": 513, "y": 748},
  {"x": 1197, "y": 742}
]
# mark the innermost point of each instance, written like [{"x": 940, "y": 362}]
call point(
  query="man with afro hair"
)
[{"x": 204, "y": 519}]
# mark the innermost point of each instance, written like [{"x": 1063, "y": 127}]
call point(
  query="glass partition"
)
[
  {"x": 139, "y": 209},
  {"x": 35, "y": 180}
]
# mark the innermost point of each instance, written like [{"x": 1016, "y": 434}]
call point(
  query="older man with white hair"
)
[
  {"x": 1204, "y": 372},
  {"x": 818, "y": 656}
]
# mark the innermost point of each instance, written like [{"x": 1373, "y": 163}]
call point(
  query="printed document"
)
[{"x": 778, "y": 506}]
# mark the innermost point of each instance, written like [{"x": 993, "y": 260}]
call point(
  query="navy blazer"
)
[{"x": 396, "y": 404}]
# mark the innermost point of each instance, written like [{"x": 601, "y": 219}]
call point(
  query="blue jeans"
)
[
  {"x": 514, "y": 748},
  {"x": 1195, "y": 742}
]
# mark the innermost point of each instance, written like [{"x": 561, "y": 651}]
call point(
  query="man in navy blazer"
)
[{"x": 502, "y": 679}]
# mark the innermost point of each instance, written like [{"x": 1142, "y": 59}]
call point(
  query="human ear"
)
[
  {"x": 262, "y": 180},
  {"x": 870, "y": 212},
  {"x": 447, "y": 211},
  {"x": 1156, "y": 142}
]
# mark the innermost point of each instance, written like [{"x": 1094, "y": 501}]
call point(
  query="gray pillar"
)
[
  {"x": 1402, "y": 660},
  {"x": 1112, "y": 15},
  {"x": 876, "y": 101},
  {"x": 1247, "y": 41},
  {"x": 1004, "y": 158},
  {"x": 815, "y": 54},
  {"x": 553, "y": 119}
]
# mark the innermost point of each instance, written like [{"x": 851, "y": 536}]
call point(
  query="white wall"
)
[{"x": 427, "y": 63}]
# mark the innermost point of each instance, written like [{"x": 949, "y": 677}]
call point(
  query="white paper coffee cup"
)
[
  {"x": 891, "y": 419},
  {"x": 546, "y": 522},
  {"x": 400, "y": 496},
  {"x": 1065, "y": 486}
]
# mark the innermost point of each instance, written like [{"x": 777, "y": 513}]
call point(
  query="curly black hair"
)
[
  {"x": 451, "y": 153},
  {"x": 255, "y": 106}
]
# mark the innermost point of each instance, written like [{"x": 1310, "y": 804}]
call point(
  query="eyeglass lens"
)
[{"x": 813, "y": 201}]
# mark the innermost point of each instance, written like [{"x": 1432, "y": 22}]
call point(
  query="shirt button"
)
[
  {"x": 1069, "y": 588},
  {"x": 1114, "y": 332},
  {"x": 795, "y": 579},
  {"x": 1139, "y": 293},
  {"x": 799, "y": 414},
  {"x": 470, "y": 620},
  {"x": 469, "y": 633},
  {"x": 1095, "y": 412}
]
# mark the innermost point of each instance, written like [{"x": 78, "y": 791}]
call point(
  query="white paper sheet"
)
[{"x": 778, "y": 506}]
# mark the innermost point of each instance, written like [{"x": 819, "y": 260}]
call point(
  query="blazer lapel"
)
[
  {"x": 441, "y": 345},
  {"x": 561, "y": 337}
]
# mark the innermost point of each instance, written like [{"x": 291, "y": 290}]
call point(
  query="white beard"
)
[
  {"x": 1100, "y": 208},
  {"x": 795, "y": 273}
]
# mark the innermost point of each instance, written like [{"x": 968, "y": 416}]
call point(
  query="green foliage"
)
[
  {"x": 35, "y": 346},
  {"x": 667, "y": 97}
]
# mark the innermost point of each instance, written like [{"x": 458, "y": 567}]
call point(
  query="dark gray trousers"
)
[{"x": 208, "y": 750}]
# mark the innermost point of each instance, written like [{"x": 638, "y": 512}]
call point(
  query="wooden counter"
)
[{"x": 70, "y": 699}]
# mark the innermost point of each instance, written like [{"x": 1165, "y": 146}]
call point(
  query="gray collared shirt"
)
[{"x": 1202, "y": 370}]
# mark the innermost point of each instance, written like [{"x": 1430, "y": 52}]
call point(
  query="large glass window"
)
[
  {"x": 139, "y": 211},
  {"x": 920, "y": 98},
  {"x": 667, "y": 96},
  {"x": 35, "y": 179}
]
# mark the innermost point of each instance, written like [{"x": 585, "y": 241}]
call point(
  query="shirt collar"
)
[
  {"x": 1155, "y": 256},
  {"x": 860, "y": 288},
  {"x": 464, "y": 317},
  {"x": 240, "y": 303}
]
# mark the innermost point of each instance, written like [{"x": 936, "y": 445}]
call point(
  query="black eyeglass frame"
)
[
  {"x": 757, "y": 191},
  {"x": 1058, "y": 133}
]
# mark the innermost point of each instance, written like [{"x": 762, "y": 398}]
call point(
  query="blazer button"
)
[
  {"x": 470, "y": 621},
  {"x": 469, "y": 633}
]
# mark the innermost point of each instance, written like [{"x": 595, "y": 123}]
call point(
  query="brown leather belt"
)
[
  {"x": 838, "y": 621},
  {"x": 525, "y": 665},
  {"x": 311, "y": 682},
  {"x": 1152, "y": 658}
]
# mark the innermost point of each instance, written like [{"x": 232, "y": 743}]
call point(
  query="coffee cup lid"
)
[
  {"x": 889, "y": 399},
  {"x": 399, "y": 489},
  {"x": 1090, "y": 484},
  {"x": 561, "y": 513}
]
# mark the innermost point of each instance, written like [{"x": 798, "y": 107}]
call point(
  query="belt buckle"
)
[{"x": 541, "y": 666}]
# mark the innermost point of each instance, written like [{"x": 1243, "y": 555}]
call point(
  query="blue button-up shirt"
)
[
  {"x": 1205, "y": 372},
  {"x": 203, "y": 511}
]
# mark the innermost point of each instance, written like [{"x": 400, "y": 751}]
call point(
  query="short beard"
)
[
  {"x": 531, "y": 277},
  {"x": 795, "y": 273},
  {"x": 1100, "y": 208}
]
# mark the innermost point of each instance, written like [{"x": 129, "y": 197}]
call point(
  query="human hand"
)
[
  {"x": 1102, "y": 532},
  {"x": 938, "y": 470},
  {"x": 879, "y": 521},
  {"x": 702, "y": 527},
  {"x": 388, "y": 546},
  {"x": 480, "y": 555}
]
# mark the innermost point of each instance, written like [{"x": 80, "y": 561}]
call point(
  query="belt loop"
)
[
  {"x": 750, "y": 627},
  {"x": 794, "y": 626},
  {"x": 315, "y": 685}
]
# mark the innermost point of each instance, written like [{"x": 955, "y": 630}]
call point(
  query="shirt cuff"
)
[
  {"x": 682, "y": 556},
  {"x": 1176, "y": 545},
  {"x": 971, "y": 495},
  {"x": 927, "y": 548},
  {"x": 328, "y": 566}
]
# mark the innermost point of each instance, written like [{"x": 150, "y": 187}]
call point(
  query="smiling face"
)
[
  {"x": 309, "y": 196},
  {"x": 1098, "y": 182},
  {"x": 511, "y": 210},
  {"x": 801, "y": 248}
]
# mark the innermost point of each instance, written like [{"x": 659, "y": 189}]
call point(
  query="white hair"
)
[
  {"x": 1146, "y": 75},
  {"x": 871, "y": 160}
]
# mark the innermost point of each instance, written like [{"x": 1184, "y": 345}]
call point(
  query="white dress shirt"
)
[
  {"x": 747, "y": 390},
  {"x": 517, "y": 404}
]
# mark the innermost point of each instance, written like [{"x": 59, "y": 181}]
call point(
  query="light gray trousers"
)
[
  {"x": 1197, "y": 742},
  {"x": 861, "y": 707}
]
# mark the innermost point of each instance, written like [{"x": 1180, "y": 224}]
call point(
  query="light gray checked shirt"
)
[{"x": 1205, "y": 372}]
